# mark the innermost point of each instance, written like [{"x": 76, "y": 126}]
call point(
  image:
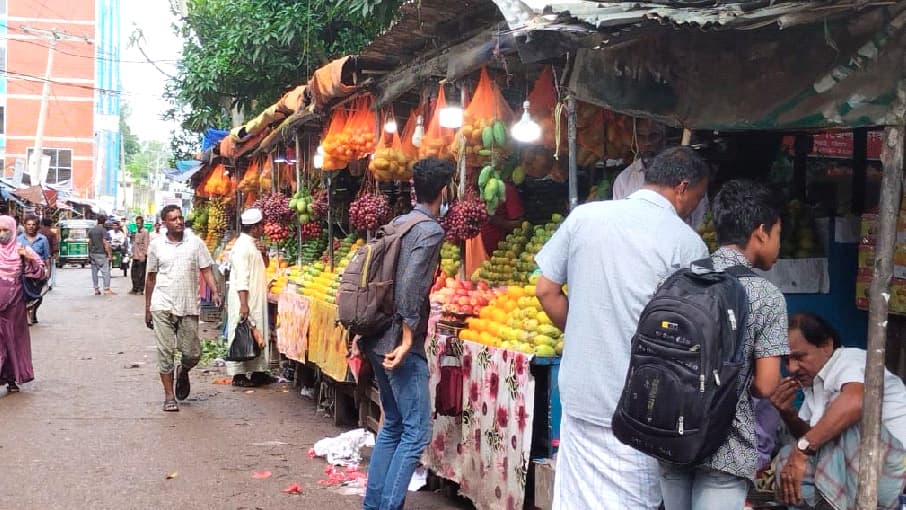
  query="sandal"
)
[
  {"x": 242, "y": 381},
  {"x": 183, "y": 386},
  {"x": 170, "y": 406},
  {"x": 12, "y": 388}
]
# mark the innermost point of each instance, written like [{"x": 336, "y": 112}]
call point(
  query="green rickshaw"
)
[{"x": 74, "y": 242}]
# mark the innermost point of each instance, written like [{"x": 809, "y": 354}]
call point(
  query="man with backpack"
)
[
  {"x": 747, "y": 219},
  {"x": 613, "y": 255},
  {"x": 397, "y": 352}
]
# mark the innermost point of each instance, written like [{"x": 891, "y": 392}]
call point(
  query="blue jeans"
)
[
  {"x": 405, "y": 433},
  {"x": 702, "y": 489}
]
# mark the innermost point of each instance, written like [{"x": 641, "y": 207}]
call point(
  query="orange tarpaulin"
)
[{"x": 327, "y": 83}]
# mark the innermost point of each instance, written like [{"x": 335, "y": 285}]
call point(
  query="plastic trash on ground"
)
[{"x": 343, "y": 450}]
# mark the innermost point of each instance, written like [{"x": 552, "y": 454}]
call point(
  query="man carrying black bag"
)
[{"x": 247, "y": 298}]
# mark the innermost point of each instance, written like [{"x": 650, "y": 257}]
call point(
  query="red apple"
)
[
  {"x": 466, "y": 309},
  {"x": 463, "y": 300},
  {"x": 482, "y": 285},
  {"x": 462, "y": 292},
  {"x": 467, "y": 285}
]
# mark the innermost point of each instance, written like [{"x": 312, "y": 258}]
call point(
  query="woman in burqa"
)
[{"x": 15, "y": 342}]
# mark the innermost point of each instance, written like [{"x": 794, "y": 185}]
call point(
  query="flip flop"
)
[
  {"x": 170, "y": 406},
  {"x": 183, "y": 386},
  {"x": 12, "y": 388},
  {"x": 242, "y": 381}
]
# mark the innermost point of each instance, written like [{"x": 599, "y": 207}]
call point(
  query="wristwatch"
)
[{"x": 804, "y": 446}]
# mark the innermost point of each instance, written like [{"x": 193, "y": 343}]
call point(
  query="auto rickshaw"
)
[{"x": 74, "y": 242}]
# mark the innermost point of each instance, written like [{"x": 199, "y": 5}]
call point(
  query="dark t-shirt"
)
[{"x": 96, "y": 237}]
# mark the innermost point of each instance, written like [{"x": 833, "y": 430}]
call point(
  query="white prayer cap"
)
[{"x": 252, "y": 216}]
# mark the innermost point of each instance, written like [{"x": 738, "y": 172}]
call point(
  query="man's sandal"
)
[{"x": 171, "y": 406}]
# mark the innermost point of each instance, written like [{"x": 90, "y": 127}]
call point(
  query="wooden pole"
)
[
  {"x": 860, "y": 166},
  {"x": 571, "y": 122},
  {"x": 879, "y": 297},
  {"x": 687, "y": 137},
  {"x": 298, "y": 188}
]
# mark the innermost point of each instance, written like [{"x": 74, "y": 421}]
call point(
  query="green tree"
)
[
  {"x": 153, "y": 155},
  {"x": 242, "y": 55},
  {"x": 131, "y": 145}
]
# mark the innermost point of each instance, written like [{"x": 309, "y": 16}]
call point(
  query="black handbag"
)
[
  {"x": 244, "y": 346},
  {"x": 32, "y": 288}
]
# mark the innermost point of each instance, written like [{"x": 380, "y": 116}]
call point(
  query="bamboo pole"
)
[
  {"x": 298, "y": 188},
  {"x": 573, "y": 156},
  {"x": 879, "y": 297}
]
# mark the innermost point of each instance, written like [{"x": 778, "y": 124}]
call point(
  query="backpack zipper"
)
[
  {"x": 701, "y": 380},
  {"x": 716, "y": 377},
  {"x": 680, "y": 427},
  {"x": 365, "y": 266}
]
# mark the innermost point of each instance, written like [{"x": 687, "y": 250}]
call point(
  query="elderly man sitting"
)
[{"x": 821, "y": 470}]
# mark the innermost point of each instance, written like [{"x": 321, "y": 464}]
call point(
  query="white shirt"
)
[
  {"x": 613, "y": 255},
  {"x": 847, "y": 365},
  {"x": 632, "y": 178},
  {"x": 177, "y": 266}
]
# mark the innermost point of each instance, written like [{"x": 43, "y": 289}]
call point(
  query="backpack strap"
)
[
  {"x": 404, "y": 228},
  {"x": 737, "y": 271}
]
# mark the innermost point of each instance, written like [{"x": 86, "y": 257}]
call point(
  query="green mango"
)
[
  {"x": 499, "y": 131},
  {"x": 487, "y": 137}
]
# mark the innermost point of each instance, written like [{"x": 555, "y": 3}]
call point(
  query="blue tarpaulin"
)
[
  {"x": 212, "y": 137},
  {"x": 184, "y": 170}
]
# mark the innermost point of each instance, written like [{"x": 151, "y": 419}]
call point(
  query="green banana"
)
[{"x": 485, "y": 175}]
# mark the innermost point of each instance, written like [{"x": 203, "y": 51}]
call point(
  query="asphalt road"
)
[{"x": 89, "y": 432}]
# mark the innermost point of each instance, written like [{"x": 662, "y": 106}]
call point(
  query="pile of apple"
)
[{"x": 461, "y": 297}]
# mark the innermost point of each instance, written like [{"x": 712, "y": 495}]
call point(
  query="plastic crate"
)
[{"x": 210, "y": 313}]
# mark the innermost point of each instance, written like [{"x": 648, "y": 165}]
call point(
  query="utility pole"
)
[{"x": 53, "y": 35}]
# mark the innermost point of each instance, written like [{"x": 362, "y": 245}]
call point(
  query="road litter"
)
[
  {"x": 261, "y": 475},
  {"x": 293, "y": 489},
  {"x": 343, "y": 450},
  {"x": 270, "y": 443},
  {"x": 173, "y": 475}
]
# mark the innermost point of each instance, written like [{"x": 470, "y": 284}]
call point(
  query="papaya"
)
[
  {"x": 487, "y": 137},
  {"x": 499, "y": 131},
  {"x": 518, "y": 175}
]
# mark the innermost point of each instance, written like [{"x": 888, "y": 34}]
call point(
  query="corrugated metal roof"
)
[{"x": 621, "y": 17}]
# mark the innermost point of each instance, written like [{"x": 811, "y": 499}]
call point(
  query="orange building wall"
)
[{"x": 70, "y": 110}]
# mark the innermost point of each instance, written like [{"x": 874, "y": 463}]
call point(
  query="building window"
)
[{"x": 60, "y": 164}]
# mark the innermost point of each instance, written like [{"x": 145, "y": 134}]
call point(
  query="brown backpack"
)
[{"x": 365, "y": 304}]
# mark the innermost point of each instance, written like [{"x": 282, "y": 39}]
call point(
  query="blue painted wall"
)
[{"x": 107, "y": 98}]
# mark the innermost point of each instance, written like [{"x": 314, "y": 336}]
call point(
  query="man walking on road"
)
[
  {"x": 140, "y": 242},
  {"x": 613, "y": 255},
  {"x": 398, "y": 355},
  {"x": 171, "y": 302},
  {"x": 53, "y": 237},
  {"x": 100, "y": 255},
  {"x": 247, "y": 297}
]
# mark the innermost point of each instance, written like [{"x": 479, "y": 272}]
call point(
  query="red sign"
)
[{"x": 840, "y": 145}]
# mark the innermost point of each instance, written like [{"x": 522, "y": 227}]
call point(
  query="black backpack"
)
[{"x": 683, "y": 385}]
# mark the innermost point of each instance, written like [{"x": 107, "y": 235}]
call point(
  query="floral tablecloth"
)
[
  {"x": 486, "y": 450},
  {"x": 292, "y": 325},
  {"x": 327, "y": 340}
]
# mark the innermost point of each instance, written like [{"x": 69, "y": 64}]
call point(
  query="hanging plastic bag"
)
[
  {"x": 408, "y": 148},
  {"x": 244, "y": 346},
  {"x": 485, "y": 121},
  {"x": 437, "y": 140}
]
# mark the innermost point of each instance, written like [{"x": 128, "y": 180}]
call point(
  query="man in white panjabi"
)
[{"x": 247, "y": 297}]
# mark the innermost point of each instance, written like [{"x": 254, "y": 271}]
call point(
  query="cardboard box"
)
[{"x": 544, "y": 483}]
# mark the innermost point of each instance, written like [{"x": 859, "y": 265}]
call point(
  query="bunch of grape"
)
[
  {"x": 275, "y": 207},
  {"x": 464, "y": 219},
  {"x": 320, "y": 204},
  {"x": 277, "y": 232},
  {"x": 311, "y": 231},
  {"x": 368, "y": 212}
]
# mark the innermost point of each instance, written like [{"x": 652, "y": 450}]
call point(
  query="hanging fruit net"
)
[
  {"x": 437, "y": 140},
  {"x": 359, "y": 131},
  {"x": 542, "y": 102},
  {"x": 390, "y": 162},
  {"x": 410, "y": 150},
  {"x": 336, "y": 156},
  {"x": 483, "y": 135}
]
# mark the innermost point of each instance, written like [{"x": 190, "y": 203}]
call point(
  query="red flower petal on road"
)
[
  {"x": 261, "y": 475},
  {"x": 293, "y": 489}
]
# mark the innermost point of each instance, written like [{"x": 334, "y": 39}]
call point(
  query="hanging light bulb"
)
[
  {"x": 318, "y": 161},
  {"x": 390, "y": 126},
  {"x": 419, "y": 132},
  {"x": 451, "y": 116},
  {"x": 526, "y": 130},
  {"x": 320, "y": 149}
]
